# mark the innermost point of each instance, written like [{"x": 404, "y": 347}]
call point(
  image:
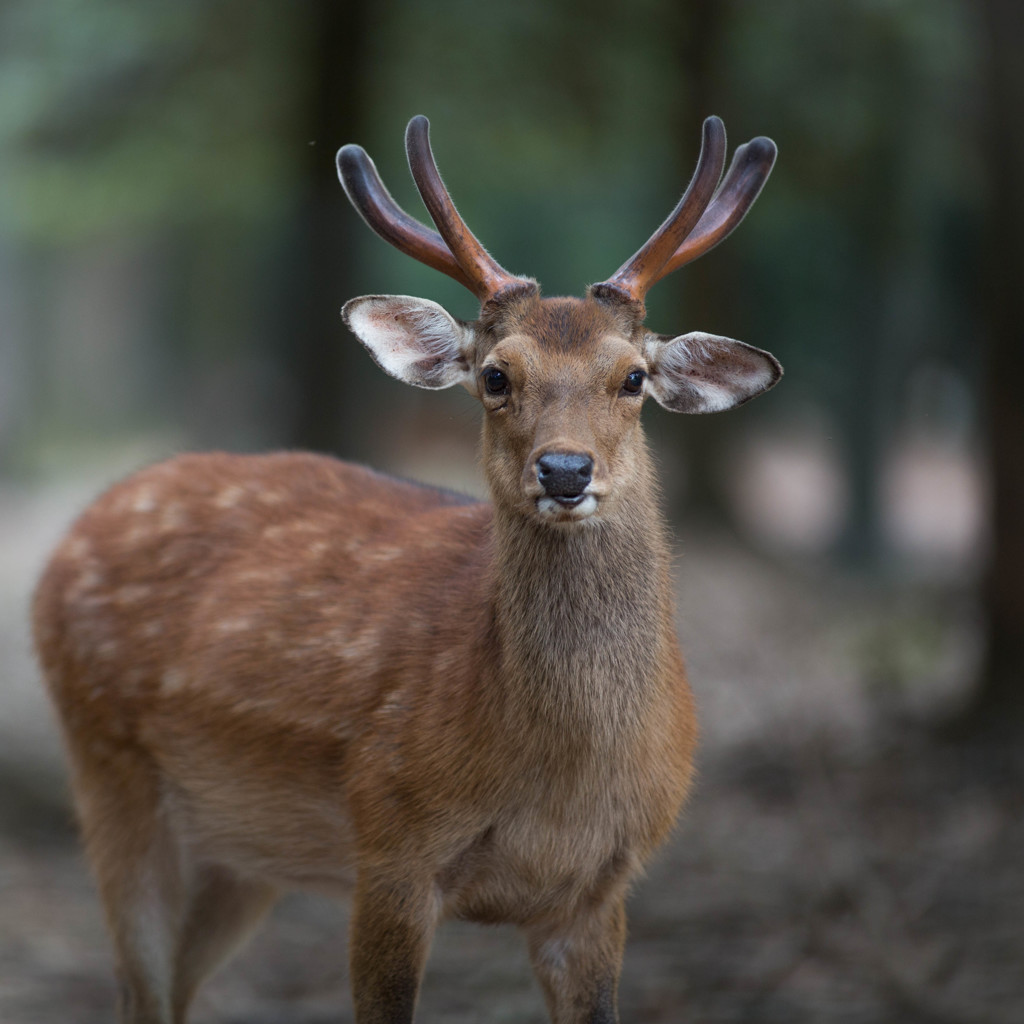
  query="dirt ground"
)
[{"x": 835, "y": 864}]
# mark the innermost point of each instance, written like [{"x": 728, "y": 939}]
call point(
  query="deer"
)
[{"x": 285, "y": 671}]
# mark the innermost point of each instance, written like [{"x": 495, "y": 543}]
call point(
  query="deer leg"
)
[
  {"x": 138, "y": 874},
  {"x": 221, "y": 911},
  {"x": 172, "y": 922},
  {"x": 393, "y": 923},
  {"x": 578, "y": 961}
]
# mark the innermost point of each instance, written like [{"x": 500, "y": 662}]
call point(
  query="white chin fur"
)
[{"x": 548, "y": 508}]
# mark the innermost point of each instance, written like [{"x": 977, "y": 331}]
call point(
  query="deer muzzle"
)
[{"x": 565, "y": 476}]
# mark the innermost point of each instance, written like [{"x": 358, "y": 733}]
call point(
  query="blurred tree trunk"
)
[
  {"x": 318, "y": 355},
  {"x": 872, "y": 366},
  {"x": 999, "y": 700},
  {"x": 698, "y": 31}
]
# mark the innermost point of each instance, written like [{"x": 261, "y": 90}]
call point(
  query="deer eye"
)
[
  {"x": 634, "y": 382},
  {"x": 495, "y": 382}
]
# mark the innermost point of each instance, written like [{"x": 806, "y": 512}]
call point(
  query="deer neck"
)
[{"x": 583, "y": 614}]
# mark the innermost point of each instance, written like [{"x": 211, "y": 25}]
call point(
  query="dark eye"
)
[
  {"x": 495, "y": 382},
  {"x": 634, "y": 383}
]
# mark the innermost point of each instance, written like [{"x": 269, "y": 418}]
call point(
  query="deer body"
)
[
  {"x": 364, "y": 688},
  {"x": 286, "y": 671}
]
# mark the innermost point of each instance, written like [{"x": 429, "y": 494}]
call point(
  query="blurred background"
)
[{"x": 174, "y": 251}]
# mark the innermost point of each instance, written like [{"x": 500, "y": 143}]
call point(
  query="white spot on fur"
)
[
  {"x": 172, "y": 516},
  {"x": 144, "y": 500},
  {"x": 392, "y": 705},
  {"x": 447, "y": 662},
  {"x": 89, "y": 579},
  {"x": 229, "y": 497},
  {"x": 317, "y": 548},
  {"x": 362, "y": 649},
  {"x": 78, "y": 547},
  {"x": 271, "y": 497},
  {"x": 261, "y": 576},
  {"x": 384, "y": 553},
  {"x": 281, "y": 531},
  {"x": 173, "y": 680},
  {"x": 139, "y": 532},
  {"x": 132, "y": 593},
  {"x": 152, "y": 629},
  {"x": 237, "y": 625},
  {"x": 107, "y": 650}
]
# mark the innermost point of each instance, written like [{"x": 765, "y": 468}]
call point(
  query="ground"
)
[{"x": 836, "y": 863}]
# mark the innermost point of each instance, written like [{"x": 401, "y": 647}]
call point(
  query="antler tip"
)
[
  {"x": 760, "y": 151},
  {"x": 353, "y": 164},
  {"x": 350, "y": 155},
  {"x": 763, "y": 145},
  {"x": 419, "y": 123},
  {"x": 713, "y": 126}
]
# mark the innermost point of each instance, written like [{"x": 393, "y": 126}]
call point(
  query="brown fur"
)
[{"x": 282, "y": 670}]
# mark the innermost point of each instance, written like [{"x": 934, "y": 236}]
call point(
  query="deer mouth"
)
[{"x": 566, "y": 508}]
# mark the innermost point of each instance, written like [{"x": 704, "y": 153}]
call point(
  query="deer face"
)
[
  {"x": 561, "y": 380},
  {"x": 562, "y": 383}
]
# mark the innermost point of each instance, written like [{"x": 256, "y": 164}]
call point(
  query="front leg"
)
[
  {"x": 578, "y": 960},
  {"x": 393, "y": 923}
]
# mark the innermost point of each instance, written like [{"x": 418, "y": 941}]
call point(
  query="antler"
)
[
  {"x": 703, "y": 216},
  {"x": 367, "y": 193},
  {"x": 749, "y": 170},
  {"x": 455, "y": 251}
]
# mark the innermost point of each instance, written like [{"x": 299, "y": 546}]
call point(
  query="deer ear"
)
[
  {"x": 415, "y": 340},
  {"x": 704, "y": 373}
]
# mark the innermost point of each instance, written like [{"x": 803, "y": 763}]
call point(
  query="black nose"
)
[{"x": 564, "y": 475}]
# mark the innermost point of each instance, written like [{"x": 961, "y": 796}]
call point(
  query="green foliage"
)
[
  {"x": 119, "y": 116},
  {"x": 874, "y": 104}
]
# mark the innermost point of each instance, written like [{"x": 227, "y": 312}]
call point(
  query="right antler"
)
[
  {"x": 455, "y": 251},
  {"x": 702, "y": 218}
]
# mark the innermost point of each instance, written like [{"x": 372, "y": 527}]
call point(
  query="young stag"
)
[{"x": 282, "y": 670}]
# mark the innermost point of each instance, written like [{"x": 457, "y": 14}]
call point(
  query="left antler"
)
[{"x": 703, "y": 217}]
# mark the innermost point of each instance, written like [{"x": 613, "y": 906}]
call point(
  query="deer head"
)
[{"x": 561, "y": 380}]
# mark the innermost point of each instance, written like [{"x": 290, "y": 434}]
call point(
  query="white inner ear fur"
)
[
  {"x": 415, "y": 340},
  {"x": 700, "y": 373}
]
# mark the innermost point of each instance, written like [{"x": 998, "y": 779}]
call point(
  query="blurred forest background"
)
[{"x": 174, "y": 251}]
